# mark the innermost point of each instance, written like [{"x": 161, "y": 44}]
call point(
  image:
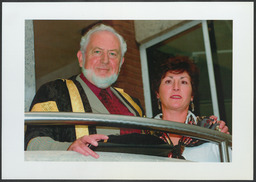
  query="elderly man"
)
[{"x": 100, "y": 57}]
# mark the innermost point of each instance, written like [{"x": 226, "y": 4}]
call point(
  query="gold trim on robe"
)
[{"x": 77, "y": 106}]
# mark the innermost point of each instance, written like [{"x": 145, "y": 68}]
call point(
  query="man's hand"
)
[
  {"x": 81, "y": 144},
  {"x": 222, "y": 125}
]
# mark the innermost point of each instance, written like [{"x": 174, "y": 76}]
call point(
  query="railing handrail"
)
[{"x": 71, "y": 118}]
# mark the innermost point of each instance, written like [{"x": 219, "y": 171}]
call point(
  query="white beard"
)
[{"x": 101, "y": 82}]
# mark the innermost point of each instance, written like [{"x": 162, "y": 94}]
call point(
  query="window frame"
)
[{"x": 144, "y": 63}]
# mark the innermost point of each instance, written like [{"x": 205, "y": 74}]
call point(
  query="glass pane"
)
[
  {"x": 189, "y": 43},
  {"x": 221, "y": 43}
]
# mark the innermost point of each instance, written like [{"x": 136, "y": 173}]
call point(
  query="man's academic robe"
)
[{"x": 72, "y": 95}]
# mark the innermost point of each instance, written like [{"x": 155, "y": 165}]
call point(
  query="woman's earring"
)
[
  {"x": 192, "y": 106},
  {"x": 159, "y": 104}
]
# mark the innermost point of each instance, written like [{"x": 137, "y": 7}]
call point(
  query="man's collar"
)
[{"x": 96, "y": 90}]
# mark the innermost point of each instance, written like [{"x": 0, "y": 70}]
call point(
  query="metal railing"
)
[{"x": 69, "y": 118}]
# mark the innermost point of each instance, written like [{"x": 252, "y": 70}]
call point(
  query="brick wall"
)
[{"x": 130, "y": 78}]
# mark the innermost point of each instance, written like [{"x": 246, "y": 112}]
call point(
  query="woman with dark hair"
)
[{"x": 175, "y": 86}]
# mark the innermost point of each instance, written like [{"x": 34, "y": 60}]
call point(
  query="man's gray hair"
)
[{"x": 86, "y": 38}]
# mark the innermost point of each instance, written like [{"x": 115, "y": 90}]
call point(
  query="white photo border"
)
[{"x": 13, "y": 50}]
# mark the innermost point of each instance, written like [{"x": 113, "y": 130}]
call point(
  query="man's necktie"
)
[
  {"x": 113, "y": 109},
  {"x": 108, "y": 102}
]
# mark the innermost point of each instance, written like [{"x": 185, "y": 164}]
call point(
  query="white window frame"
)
[{"x": 144, "y": 63}]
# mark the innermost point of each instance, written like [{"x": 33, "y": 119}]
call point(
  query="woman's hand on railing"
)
[
  {"x": 223, "y": 128},
  {"x": 222, "y": 125},
  {"x": 81, "y": 144}
]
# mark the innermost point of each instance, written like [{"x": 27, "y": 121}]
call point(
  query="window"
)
[{"x": 209, "y": 44}]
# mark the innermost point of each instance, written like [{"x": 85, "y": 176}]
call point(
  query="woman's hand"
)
[
  {"x": 222, "y": 125},
  {"x": 81, "y": 144},
  {"x": 223, "y": 128}
]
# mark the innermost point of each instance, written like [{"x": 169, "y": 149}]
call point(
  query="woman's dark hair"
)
[{"x": 178, "y": 64}]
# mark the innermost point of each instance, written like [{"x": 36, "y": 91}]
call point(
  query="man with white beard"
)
[{"x": 100, "y": 57}]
